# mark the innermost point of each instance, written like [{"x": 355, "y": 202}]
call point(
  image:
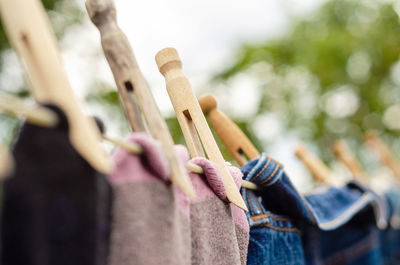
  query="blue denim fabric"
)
[
  {"x": 350, "y": 244},
  {"x": 272, "y": 244},
  {"x": 356, "y": 241},
  {"x": 273, "y": 238},
  {"x": 332, "y": 220}
]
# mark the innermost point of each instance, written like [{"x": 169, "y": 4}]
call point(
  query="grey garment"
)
[
  {"x": 148, "y": 227},
  {"x": 243, "y": 243},
  {"x": 213, "y": 233}
]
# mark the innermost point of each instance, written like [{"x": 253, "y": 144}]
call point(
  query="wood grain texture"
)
[
  {"x": 128, "y": 77},
  {"x": 115, "y": 45},
  {"x": 317, "y": 168},
  {"x": 186, "y": 105},
  {"x": 29, "y": 31},
  {"x": 343, "y": 153},
  {"x": 235, "y": 141},
  {"x": 386, "y": 156}
]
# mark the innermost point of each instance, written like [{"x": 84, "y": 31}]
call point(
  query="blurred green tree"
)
[
  {"x": 63, "y": 14},
  {"x": 335, "y": 75}
]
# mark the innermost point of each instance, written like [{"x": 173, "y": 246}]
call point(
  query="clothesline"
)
[{"x": 65, "y": 201}]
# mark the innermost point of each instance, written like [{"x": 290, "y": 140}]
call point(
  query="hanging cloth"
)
[
  {"x": 56, "y": 207},
  {"x": 219, "y": 229},
  {"x": 333, "y": 221},
  {"x": 150, "y": 215}
]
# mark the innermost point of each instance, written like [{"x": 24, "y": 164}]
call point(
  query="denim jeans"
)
[
  {"x": 350, "y": 244},
  {"x": 332, "y": 220},
  {"x": 274, "y": 239}
]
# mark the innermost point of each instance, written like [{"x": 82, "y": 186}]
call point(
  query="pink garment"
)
[
  {"x": 151, "y": 166},
  {"x": 239, "y": 216},
  {"x": 155, "y": 223},
  {"x": 218, "y": 228},
  {"x": 150, "y": 215}
]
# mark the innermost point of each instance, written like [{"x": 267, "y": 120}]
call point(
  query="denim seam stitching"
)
[
  {"x": 249, "y": 203},
  {"x": 255, "y": 218},
  {"x": 262, "y": 170},
  {"x": 254, "y": 169},
  {"x": 272, "y": 175},
  {"x": 296, "y": 230}
]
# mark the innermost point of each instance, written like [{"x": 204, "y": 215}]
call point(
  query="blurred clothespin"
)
[
  {"x": 29, "y": 31},
  {"x": 317, "y": 168},
  {"x": 386, "y": 156},
  {"x": 6, "y": 162},
  {"x": 130, "y": 81},
  {"x": 13, "y": 106},
  {"x": 342, "y": 151},
  {"x": 191, "y": 119},
  {"x": 235, "y": 141}
]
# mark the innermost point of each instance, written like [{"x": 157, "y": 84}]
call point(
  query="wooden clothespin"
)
[
  {"x": 29, "y": 31},
  {"x": 237, "y": 143},
  {"x": 342, "y": 151},
  {"x": 191, "y": 119},
  {"x": 6, "y": 162},
  {"x": 39, "y": 116},
  {"x": 318, "y": 169},
  {"x": 130, "y": 79},
  {"x": 117, "y": 51},
  {"x": 386, "y": 156}
]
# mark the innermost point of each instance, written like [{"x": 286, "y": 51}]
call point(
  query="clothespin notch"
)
[{"x": 191, "y": 119}]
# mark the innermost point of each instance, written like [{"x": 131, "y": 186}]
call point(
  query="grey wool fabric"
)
[
  {"x": 242, "y": 232},
  {"x": 242, "y": 226},
  {"x": 217, "y": 234},
  {"x": 150, "y": 215}
]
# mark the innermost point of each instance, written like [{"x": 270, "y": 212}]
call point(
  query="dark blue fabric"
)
[
  {"x": 270, "y": 245},
  {"x": 274, "y": 239},
  {"x": 332, "y": 220},
  {"x": 349, "y": 244}
]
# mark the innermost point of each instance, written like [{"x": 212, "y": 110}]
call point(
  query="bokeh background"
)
[{"x": 286, "y": 71}]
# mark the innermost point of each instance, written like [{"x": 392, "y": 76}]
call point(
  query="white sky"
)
[{"x": 206, "y": 34}]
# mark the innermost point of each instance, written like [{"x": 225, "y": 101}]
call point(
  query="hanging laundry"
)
[
  {"x": 341, "y": 210},
  {"x": 356, "y": 238},
  {"x": 274, "y": 238},
  {"x": 240, "y": 219},
  {"x": 219, "y": 229},
  {"x": 219, "y": 234},
  {"x": 355, "y": 241},
  {"x": 56, "y": 207},
  {"x": 150, "y": 215}
]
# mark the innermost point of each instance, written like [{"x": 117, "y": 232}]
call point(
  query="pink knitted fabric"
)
[
  {"x": 150, "y": 215},
  {"x": 151, "y": 164},
  {"x": 213, "y": 230},
  {"x": 239, "y": 216}
]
